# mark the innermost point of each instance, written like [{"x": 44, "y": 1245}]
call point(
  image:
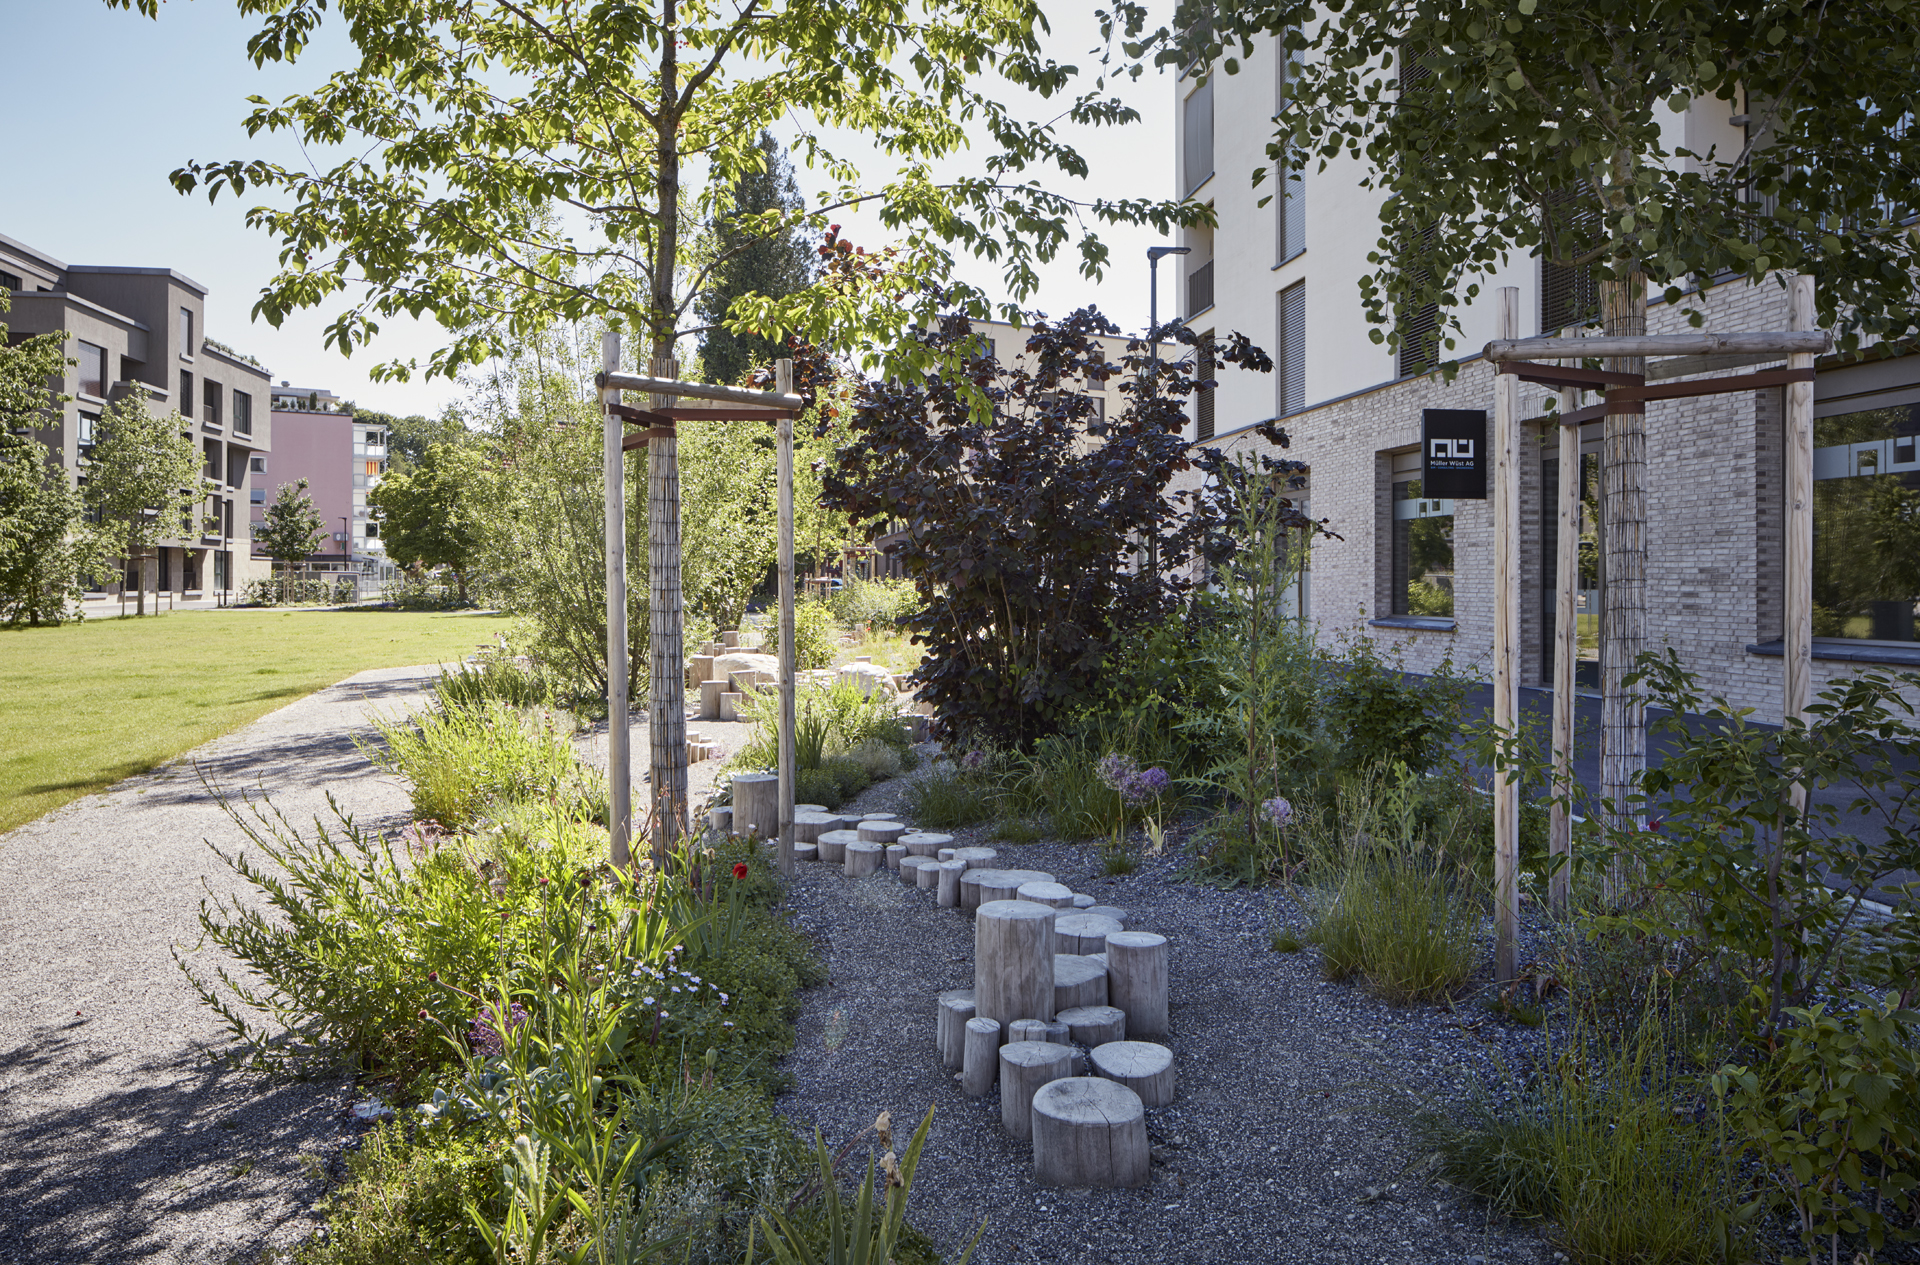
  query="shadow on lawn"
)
[{"x": 197, "y": 1163}]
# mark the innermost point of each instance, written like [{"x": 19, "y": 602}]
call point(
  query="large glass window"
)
[
  {"x": 210, "y": 402},
  {"x": 242, "y": 413},
  {"x": 1422, "y": 552},
  {"x": 92, "y": 370},
  {"x": 1866, "y": 524},
  {"x": 187, "y": 347}
]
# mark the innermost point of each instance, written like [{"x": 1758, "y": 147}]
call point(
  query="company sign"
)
[{"x": 1453, "y": 454}]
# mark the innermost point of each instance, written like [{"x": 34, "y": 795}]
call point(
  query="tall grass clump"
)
[
  {"x": 492, "y": 678},
  {"x": 463, "y": 762},
  {"x": 950, "y": 796},
  {"x": 1625, "y": 1154}
]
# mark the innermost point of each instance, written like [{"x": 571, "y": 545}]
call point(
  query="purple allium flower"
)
[
  {"x": 1278, "y": 812},
  {"x": 973, "y": 761},
  {"x": 485, "y": 1034},
  {"x": 1141, "y": 787},
  {"x": 1115, "y": 769}
]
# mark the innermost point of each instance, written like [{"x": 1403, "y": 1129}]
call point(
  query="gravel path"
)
[
  {"x": 1286, "y": 1139},
  {"x": 120, "y": 1140}
]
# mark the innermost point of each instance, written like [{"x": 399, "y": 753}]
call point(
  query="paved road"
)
[{"x": 119, "y": 1140}]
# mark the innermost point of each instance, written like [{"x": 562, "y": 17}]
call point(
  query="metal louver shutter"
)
[
  {"x": 1293, "y": 349},
  {"x": 1568, "y": 296},
  {"x": 1203, "y": 402}
]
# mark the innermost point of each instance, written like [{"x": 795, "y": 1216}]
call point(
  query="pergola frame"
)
[
  {"x": 667, "y": 726},
  {"x": 1516, "y": 360}
]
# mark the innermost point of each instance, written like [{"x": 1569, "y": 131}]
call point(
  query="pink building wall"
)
[{"x": 317, "y": 447}]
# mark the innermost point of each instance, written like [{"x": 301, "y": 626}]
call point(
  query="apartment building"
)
[
  {"x": 342, "y": 458},
  {"x": 144, "y": 330},
  {"x": 1416, "y": 571}
]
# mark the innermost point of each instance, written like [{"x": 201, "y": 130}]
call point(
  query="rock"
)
[
  {"x": 868, "y": 678},
  {"x": 726, "y": 666}
]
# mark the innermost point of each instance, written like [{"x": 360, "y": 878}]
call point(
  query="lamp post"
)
[{"x": 1154, "y": 255}]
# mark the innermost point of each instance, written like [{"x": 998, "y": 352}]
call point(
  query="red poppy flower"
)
[{"x": 739, "y": 869}]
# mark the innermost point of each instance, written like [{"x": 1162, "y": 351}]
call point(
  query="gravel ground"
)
[
  {"x": 1286, "y": 1140},
  {"x": 121, "y": 1141}
]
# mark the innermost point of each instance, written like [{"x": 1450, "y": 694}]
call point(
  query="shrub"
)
[
  {"x": 873, "y": 602},
  {"x": 816, "y": 638},
  {"x": 492, "y": 678},
  {"x": 306, "y": 591},
  {"x": 464, "y": 762},
  {"x": 946, "y": 798},
  {"x": 406, "y": 1197},
  {"x": 1017, "y": 830},
  {"x": 1610, "y": 1143},
  {"x": 816, "y": 786},
  {"x": 849, "y": 776},
  {"x": 881, "y": 760},
  {"x": 1384, "y": 717},
  {"x": 1060, "y": 782},
  {"x": 829, "y": 721}
]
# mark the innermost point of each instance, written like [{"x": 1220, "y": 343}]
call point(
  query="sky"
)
[{"x": 88, "y": 181}]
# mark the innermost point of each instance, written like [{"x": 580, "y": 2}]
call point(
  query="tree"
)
[
  {"x": 471, "y": 125},
  {"x": 290, "y": 529},
  {"x": 43, "y": 549},
  {"x": 730, "y": 523},
  {"x": 1544, "y": 130},
  {"x": 426, "y": 513},
  {"x": 144, "y": 484},
  {"x": 753, "y": 261},
  {"x": 1024, "y": 538}
]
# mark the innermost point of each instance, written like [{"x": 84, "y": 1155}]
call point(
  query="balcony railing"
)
[{"x": 1200, "y": 289}]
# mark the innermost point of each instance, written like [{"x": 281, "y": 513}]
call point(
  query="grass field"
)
[{"x": 85, "y": 705}]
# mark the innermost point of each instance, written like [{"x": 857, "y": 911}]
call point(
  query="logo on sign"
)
[{"x": 1445, "y": 452}]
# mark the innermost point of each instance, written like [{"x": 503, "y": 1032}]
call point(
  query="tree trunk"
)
[
  {"x": 147, "y": 559},
  {"x": 1623, "y": 726}
]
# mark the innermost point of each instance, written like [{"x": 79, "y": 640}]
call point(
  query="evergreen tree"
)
[
  {"x": 290, "y": 529},
  {"x": 751, "y": 260}
]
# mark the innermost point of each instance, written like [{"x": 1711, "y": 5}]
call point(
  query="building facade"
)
[
  {"x": 1416, "y": 572},
  {"x": 144, "y": 330},
  {"x": 342, "y": 459}
]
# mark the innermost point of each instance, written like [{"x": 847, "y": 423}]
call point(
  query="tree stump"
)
[
  {"x": 945, "y": 854},
  {"x": 910, "y": 870},
  {"x": 1012, "y": 961},
  {"x": 950, "y": 1033},
  {"x": 921, "y": 844},
  {"x": 878, "y": 816},
  {"x": 809, "y": 808},
  {"x": 833, "y": 844},
  {"x": 882, "y": 832},
  {"x": 1005, "y": 884},
  {"x": 1085, "y": 933},
  {"x": 699, "y": 669},
  {"x": 710, "y": 692},
  {"x": 756, "y": 804},
  {"x": 949, "y": 889},
  {"x": 1078, "y": 982},
  {"x": 980, "y": 1058},
  {"x": 895, "y": 854},
  {"x": 806, "y": 851},
  {"x": 1082, "y": 902},
  {"x": 1109, "y": 911},
  {"x": 731, "y": 702},
  {"x": 1024, "y": 1067},
  {"x": 976, "y": 858},
  {"x": 926, "y": 875},
  {"x": 720, "y": 820},
  {"x": 1094, "y": 1025},
  {"x": 730, "y": 638},
  {"x": 1040, "y": 1030},
  {"x": 809, "y": 825},
  {"x": 1137, "y": 980},
  {"x": 1143, "y": 1067},
  {"x": 1059, "y": 895},
  {"x": 863, "y": 859},
  {"x": 1089, "y": 1131},
  {"x": 1101, "y": 958}
]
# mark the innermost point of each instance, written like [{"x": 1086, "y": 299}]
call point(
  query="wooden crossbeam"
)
[
  {"x": 1568, "y": 376},
  {"x": 1632, "y": 399},
  {"x": 1809, "y": 341}
]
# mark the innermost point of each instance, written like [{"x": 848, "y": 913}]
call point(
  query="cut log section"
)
[
  {"x": 881, "y": 832},
  {"x": 756, "y": 804},
  {"x": 976, "y": 858},
  {"x": 806, "y": 851},
  {"x": 1006, "y": 883},
  {"x": 1109, "y": 911},
  {"x": 833, "y": 844},
  {"x": 1142, "y": 1066},
  {"x": 1013, "y": 960},
  {"x": 896, "y": 853},
  {"x": 1078, "y": 982},
  {"x": 921, "y": 844},
  {"x": 1024, "y": 1067},
  {"x": 1085, "y": 933},
  {"x": 710, "y": 692},
  {"x": 944, "y": 854},
  {"x": 1040, "y": 1030},
  {"x": 866, "y": 816},
  {"x": 910, "y": 869},
  {"x": 863, "y": 859},
  {"x": 1094, "y": 1025},
  {"x": 720, "y": 820},
  {"x": 1059, "y": 895},
  {"x": 980, "y": 1057},
  {"x": 950, "y": 1031},
  {"x": 1082, "y": 902},
  {"x": 949, "y": 889},
  {"x": 809, "y": 808},
  {"x": 1137, "y": 980},
  {"x": 926, "y": 875},
  {"x": 1089, "y": 1131},
  {"x": 731, "y": 703},
  {"x": 809, "y": 825}
]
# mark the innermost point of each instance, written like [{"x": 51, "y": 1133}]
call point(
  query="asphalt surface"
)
[{"x": 120, "y": 1139}]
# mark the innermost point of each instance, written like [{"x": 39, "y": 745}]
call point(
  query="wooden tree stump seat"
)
[
  {"x": 1094, "y": 1026},
  {"x": 1084, "y": 933},
  {"x": 1078, "y": 982},
  {"x": 975, "y": 882},
  {"x": 1059, "y": 895},
  {"x": 1137, "y": 980},
  {"x": 950, "y": 1032},
  {"x": 863, "y": 859},
  {"x": 1013, "y": 961},
  {"x": 1089, "y": 1131},
  {"x": 1024, "y": 1067},
  {"x": 980, "y": 1057},
  {"x": 1142, "y": 1066},
  {"x": 833, "y": 844}
]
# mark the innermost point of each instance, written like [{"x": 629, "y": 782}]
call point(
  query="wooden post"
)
[
  {"x": 666, "y": 695},
  {"x": 1799, "y": 586},
  {"x": 783, "y": 383},
  {"x": 1566, "y": 655},
  {"x": 1506, "y": 645},
  {"x": 619, "y": 749}
]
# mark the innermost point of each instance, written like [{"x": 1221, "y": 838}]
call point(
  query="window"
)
[
  {"x": 92, "y": 370},
  {"x": 257, "y": 496},
  {"x": 1866, "y": 524},
  {"x": 1291, "y": 215},
  {"x": 1203, "y": 399},
  {"x": 375, "y": 439},
  {"x": 89, "y": 427},
  {"x": 211, "y": 449},
  {"x": 1200, "y": 289},
  {"x": 1197, "y": 125},
  {"x": 257, "y": 464},
  {"x": 8, "y": 280},
  {"x": 187, "y": 345},
  {"x": 359, "y": 480},
  {"x": 242, "y": 413},
  {"x": 210, "y": 402},
  {"x": 373, "y": 530},
  {"x": 1292, "y": 384},
  {"x": 186, "y": 394},
  {"x": 1422, "y": 553},
  {"x": 1568, "y": 296}
]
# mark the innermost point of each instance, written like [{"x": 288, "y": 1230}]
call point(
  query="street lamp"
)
[{"x": 1154, "y": 256}]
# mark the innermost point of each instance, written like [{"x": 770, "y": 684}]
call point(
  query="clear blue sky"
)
[{"x": 123, "y": 101}]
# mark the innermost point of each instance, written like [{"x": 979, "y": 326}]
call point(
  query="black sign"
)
[{"x": 1453, "y": 454}]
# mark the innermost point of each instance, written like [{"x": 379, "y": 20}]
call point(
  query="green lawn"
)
[{"x": 85, "y": 705}]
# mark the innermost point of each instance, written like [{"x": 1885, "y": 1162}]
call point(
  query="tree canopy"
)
[
  {"x": 427, "y": 512},
  {"x": 750, "y": 260}
]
